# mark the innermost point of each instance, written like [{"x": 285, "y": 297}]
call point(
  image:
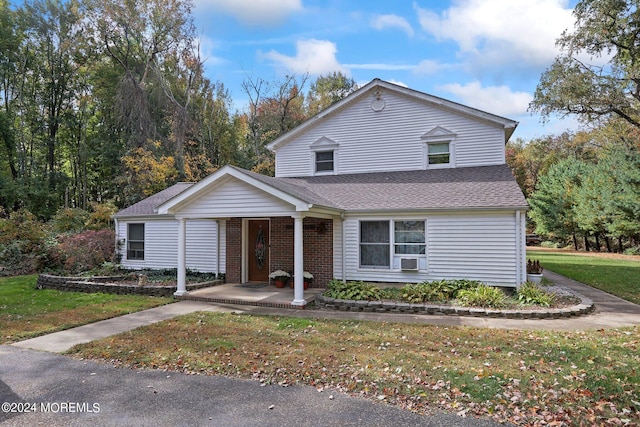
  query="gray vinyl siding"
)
[
  {"x": 479, "y": 246},
  {"x": 160, "y": 244},
  {"x": 390, "y": 140},
  {"x": 234, "y": 198}
]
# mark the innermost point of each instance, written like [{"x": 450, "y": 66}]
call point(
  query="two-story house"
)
[{"x": 387, "y": 185}]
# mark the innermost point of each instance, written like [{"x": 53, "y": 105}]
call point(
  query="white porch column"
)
[
  {"x": 298, "y": 262},
  {"x": 182, "y": 258}
]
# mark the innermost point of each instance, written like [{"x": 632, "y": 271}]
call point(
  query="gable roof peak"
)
[{"x": 508, "y": 124}]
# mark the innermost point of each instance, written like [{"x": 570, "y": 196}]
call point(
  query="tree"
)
[
  {"x": 274, "y": 108},
  {"x": 10, "y": 40},
  {"x": 138, "y": 36},
  {"x": 327, "y": 90},
  {"x": 552, "y": 204},
  {"x": 605, "y": 31}
]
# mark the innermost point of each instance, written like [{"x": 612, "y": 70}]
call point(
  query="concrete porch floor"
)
[{"x": 261, "y": 295}]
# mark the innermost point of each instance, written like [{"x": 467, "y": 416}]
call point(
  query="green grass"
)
[
  {"x": 27, "y": 312},
  {"x": 617, "y": 276},
  {"x": 523, "y": 377}
]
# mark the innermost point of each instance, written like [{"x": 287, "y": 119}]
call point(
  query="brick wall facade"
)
[
  {"x": 234, "y": 250},
  {"x": 318, "y": 248}
]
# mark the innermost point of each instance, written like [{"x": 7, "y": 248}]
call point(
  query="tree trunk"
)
[
  {"x": 608, "y": 243},
  {"x": 575, "y": 241},
  {"x": 597, "y": 243},
  {"x": 586, "y": 243}
]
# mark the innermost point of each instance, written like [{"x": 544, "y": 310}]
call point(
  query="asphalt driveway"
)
[{"x": 81, "y": 393}]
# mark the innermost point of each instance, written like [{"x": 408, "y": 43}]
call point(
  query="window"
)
[
  {"x": 438, "y": 154},
  {"x": 324, "y": 161},
  {"x": 409, "y": 237},
  {"x": 374, "y": 244},
  {"x": 135, "y": 244},
  {"x": 377, "y": 244}
]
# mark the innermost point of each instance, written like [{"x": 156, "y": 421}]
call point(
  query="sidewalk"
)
[{"x": 610, "y": 312}]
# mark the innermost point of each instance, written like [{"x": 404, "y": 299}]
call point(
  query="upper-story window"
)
[
  {"x": 324, "y": 157},
  {"x": 438, "y": 153},
  {"x": 324, "y": 161},
  {"x": 440, "y": 148}
]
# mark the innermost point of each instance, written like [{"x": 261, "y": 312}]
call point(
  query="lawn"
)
[
  {"x": 27, "y": 312},
  {"x": 523, "y": 377},
  {"x": 616, "y": 275}
]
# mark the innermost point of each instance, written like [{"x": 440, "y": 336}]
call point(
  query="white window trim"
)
[
  {"x": 392, "y": 244},
  {"x": 315, "y": 163},
  {"x": 324, "y": 144},
  {"x": 439, "y": 135},
  {"x": 144, "y": 240}
]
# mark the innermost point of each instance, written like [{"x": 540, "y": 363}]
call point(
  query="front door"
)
[{"x": 258, "y": 256}]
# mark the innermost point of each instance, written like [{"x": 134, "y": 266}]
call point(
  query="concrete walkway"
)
[
  {"x": 59, "y": 342},
  {"x": 610, "y": 312}
]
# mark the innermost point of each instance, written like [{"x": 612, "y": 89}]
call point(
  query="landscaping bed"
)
[
  {"x": 455, "y": 297},
  {"x": 141, "y": 282}
]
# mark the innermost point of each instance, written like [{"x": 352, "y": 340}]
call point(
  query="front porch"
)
[{"x": 261, "y": 295}]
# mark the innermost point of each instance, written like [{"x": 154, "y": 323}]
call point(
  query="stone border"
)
[
  {"x": 105, "y": 284},
  {"x": 586, "y": 306}
]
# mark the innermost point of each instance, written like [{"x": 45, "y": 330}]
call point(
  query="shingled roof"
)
[
  {"x": 148, "y": 206},
  {"x": 438, "y": 189},
  {"x": 454, "y": 188}
]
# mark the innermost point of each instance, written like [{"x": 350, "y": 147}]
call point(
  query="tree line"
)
[
  {"x": 108, "y": 101},
  {"x": 103, "y": 103}
]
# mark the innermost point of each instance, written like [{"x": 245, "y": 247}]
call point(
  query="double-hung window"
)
[
  {"x": 438, "y": 153},
  {"x": 409, "y": 238},
  {"x": 380, "y": 241},
  {"x": 324, "y": 161},
  {"x": 135, "y": 242},
  {"x": 375, "y": 248}
]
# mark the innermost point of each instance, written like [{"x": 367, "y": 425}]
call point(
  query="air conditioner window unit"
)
[{"x": 410, "y": 264}]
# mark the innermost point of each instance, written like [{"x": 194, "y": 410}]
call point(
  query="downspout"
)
[
  {"x": 344, "y": 244},
  {"x": 116, "y": 249}
]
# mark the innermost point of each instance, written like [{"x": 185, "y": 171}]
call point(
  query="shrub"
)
[
  {"x": 70, "y": 220},
  {"x": 482, "y": 296},
  {"x": 100, "y": 216},
  {"x": 83, "y": 251},
  {"x": 22, "y": 226},
  {"x": 634, "y": 250},
  {"x": 357, "y": 291},
  {"x": 531, "y": 294},
  {"x": 438, "y": 290}
]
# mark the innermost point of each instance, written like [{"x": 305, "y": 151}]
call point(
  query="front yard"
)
[
  {"x": 523, "y": 377},
  {"x": 27, "y": 312}
]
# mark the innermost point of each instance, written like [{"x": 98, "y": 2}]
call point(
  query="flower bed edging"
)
[
  {"x": 586, "y": 306},
  {"x": 102, "y": 284}
]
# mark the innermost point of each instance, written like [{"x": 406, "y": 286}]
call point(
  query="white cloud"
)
[
  {"x": 312, "y": 56},
  {"x": 207, "y": 47},
  {"x": 501, "y": 31},
  {"x": 263, "y": 13},
  {"x": 500, "y": 100},
  {"x": 382, "y": 22}
]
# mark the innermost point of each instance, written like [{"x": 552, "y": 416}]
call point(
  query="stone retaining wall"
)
[
  {"x": 586, "y": 306},
  {"x": 105, "y": 284}
]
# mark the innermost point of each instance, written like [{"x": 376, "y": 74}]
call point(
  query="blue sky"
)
[{"x": 487, "y": 54}]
